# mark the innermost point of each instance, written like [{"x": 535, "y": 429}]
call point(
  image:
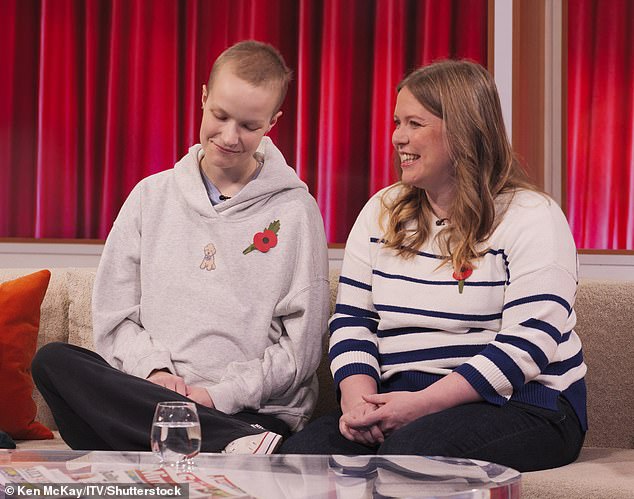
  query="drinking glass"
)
[{"x": 175, "y": 436}]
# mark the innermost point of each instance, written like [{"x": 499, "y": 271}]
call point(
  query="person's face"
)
[
  {"x": 419, "y": 140},
  {"x": 236, "y": 115}
]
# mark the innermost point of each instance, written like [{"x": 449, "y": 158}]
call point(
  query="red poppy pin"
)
[
  {"x": 462, "y": 276},
  {"x": 265, "y": 240}
]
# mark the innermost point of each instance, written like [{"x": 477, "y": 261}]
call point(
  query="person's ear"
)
[
  {"x": 273, "y": 121},
  {"x": 204, "y": 96}
]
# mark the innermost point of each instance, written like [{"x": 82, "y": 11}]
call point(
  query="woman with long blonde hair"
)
[{"x": 453, "y": 333}]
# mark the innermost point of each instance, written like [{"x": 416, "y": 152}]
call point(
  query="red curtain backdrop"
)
[
  {"x": 97, "y": 94},
  {"x": 600, "y": 188}
]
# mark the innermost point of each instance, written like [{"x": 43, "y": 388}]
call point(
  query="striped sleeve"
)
[
  {"x": 537, "y": 317},
  {"x": 353, "y": 343}
]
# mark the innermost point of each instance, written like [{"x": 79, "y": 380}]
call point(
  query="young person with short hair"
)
[{"x": 212, "y": 287}]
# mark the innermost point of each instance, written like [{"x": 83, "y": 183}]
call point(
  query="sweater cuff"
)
[
  {"x": 145, "y": 366},
  {"x": 480, "y": 384},
  {"x": 223, "y": 396},
  {"x": 356, "y": 368}
]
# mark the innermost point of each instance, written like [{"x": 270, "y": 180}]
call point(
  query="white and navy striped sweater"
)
[{"x": 510, "y": 333}]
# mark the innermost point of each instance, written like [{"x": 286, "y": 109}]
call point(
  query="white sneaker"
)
[{"x": 261, "y": 443}]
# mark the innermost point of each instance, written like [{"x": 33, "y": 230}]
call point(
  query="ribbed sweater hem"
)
[{"x": 532, "y": 393}]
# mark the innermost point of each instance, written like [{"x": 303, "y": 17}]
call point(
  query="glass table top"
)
[{"x": 273, "y": 476}]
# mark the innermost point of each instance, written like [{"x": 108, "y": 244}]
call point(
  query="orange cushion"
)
[{"x": 20, "y": 302}]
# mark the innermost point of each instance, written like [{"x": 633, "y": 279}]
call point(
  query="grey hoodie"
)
[{"x": 176, "y": 290}]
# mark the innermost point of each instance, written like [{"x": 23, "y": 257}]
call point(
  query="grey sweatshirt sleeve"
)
[
  {"x": 289, "y": 364},
  {"x": 118, "y": 332}
]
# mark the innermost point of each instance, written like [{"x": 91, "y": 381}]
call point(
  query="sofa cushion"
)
[
  {"x": 54, "y": 310},
  {"x": 20, "y": 301},
  {"x": 53, "y": 324},
  {"x": 598, "y": 473},
  {"x": 605, "y": 324},
  {"x": 327, "y": 402},
  {"x": 80, "y": 283},
  {"x": 56, "y": 443}
]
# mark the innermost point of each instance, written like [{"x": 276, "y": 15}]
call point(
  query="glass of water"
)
[{"x": 175, "y": 434}]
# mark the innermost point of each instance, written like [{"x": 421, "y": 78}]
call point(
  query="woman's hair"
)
[
  {"x": 257, "y": 63},
  {"x": 464, "y": 96}
]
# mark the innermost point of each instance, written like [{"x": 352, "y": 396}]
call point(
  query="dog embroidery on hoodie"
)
[{"x": 209, "y": 262}]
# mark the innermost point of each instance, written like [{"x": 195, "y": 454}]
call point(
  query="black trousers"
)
[
  {"x": 521, "y": 436},
  {"x": 98, "y": 407}
]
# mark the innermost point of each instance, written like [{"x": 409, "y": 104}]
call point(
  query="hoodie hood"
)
[{"x": 275, "y": 177}]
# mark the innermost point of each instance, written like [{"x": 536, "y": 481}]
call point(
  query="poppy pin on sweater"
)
[
  {"x": 265, "y": 240},
  {"x": 462, "y": 276}
]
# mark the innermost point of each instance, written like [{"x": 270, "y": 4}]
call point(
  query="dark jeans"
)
[
  {"x": 98, "y": 407},
  {"x": 521, "y": 436}
]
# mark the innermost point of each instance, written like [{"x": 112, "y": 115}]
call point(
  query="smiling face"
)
[
  {"x": 236, "y": 115},
  {"x": 419, "y": 140}
]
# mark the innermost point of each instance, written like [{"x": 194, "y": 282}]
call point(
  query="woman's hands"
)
[
  {"x": 353, "y": 407},
  {"x": 390, "y": 411},
  {"x": 387, "y": 412},
  {"x": 178, "y": 385},
  {"x": 369, "y": 435},
  {"x": 394, "y": 410}
]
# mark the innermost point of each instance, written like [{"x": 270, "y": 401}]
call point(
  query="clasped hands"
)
[
  {"x": 177, "y": 384},
  {"x": 378, "y": 415}
]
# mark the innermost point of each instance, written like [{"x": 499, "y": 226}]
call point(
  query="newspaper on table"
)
[{"x": 201, "y": 484}]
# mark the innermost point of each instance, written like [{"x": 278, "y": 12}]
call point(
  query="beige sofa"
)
[{"x": 605, "y": 312}]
